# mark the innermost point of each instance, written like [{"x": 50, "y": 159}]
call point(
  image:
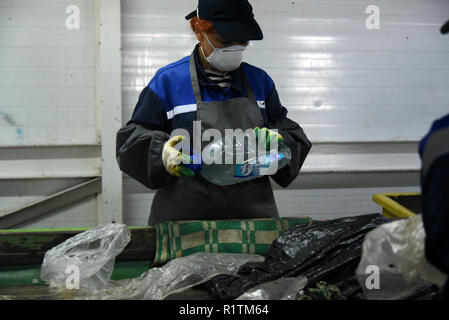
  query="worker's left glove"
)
[
  {"x": 268, "y": 135},
  {"x": 173, "y": 159}
]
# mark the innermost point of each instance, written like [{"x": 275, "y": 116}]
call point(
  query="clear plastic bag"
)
[
  {"x": 91, "y": 252},
  {"x": 176, "y": 276},
  {"x": 280, "y": 289},
  {"x": 396, "y": 250}
]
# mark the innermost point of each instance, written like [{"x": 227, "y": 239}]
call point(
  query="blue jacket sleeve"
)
[
  {"x": 434, "y": 192},
  {"x": 294, "y": 138},
  {"x": 139, "y": 143},
  {"x": 435, "y": 212}
]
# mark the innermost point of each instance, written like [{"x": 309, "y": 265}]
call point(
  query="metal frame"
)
[
  {"x": 393, "y": 209},
  {"x": 109, "y": 107},
  {"x": 53, "y": 202}
]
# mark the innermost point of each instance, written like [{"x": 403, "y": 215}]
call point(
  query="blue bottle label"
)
[
  {"x": 251, "y": 167},
  {"x": 244, "y": 170}
]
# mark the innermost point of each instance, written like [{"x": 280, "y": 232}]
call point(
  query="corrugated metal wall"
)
[{"x": 364, "y": 97}]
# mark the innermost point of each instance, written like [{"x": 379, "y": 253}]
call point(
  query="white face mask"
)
[{"x": 225, "y": 59}]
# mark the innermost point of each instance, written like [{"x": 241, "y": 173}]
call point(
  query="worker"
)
[
  {"x": 213, "y": 86},
  {"x": 434, "y": 152}
]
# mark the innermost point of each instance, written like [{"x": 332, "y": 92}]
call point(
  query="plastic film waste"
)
[
  {"x": 89, "y": 255},
  {"x": 280, "y": 289},
  {"x": 395, "y": 251},
  {"x": 176, "y": 276}
]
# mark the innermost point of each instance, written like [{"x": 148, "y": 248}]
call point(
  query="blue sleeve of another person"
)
[{"x": 434, "y": 151}]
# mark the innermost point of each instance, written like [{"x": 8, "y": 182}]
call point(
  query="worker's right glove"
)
[{"x": 173, "y": 159}]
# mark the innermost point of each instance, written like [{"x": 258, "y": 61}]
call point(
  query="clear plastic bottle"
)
[{"x": 254, "y": 164}]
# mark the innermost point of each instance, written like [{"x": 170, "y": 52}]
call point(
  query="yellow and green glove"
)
[
  {"x": 269, "y": 136},
  {"x": 173, "y": 159}
]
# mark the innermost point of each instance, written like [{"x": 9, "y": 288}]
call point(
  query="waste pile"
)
[{"x": 360, "y": 257}]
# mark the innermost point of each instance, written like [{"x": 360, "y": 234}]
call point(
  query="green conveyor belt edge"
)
[{"x": 29, "y": 275}]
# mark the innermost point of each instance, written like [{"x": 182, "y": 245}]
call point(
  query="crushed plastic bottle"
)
[{"x": 239, "y": 160}]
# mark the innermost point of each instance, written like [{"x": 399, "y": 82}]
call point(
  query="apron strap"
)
[
  {"x": 196, "y": 85},
  {"x": 248, "y": 90},
  {"x": 194, "y": 79}
]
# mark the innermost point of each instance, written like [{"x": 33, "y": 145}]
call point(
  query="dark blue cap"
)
[{"x": 232, "y": 19}]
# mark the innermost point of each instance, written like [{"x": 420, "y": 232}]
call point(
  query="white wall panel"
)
[
  {"x": 49, "y": 138},
  {"x": 47, "y": 74},
  {"x": 49, "y": 162},
  {"x": 356, "y": 84},
  {"x": 359, "y": 94},
  {"x": 330, "y": 70}
]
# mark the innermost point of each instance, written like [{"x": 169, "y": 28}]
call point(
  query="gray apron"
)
[{"x": 194, "y": 198}]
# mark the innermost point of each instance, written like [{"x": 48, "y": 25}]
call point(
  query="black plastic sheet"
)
[{"x": 323, "y": 251}]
